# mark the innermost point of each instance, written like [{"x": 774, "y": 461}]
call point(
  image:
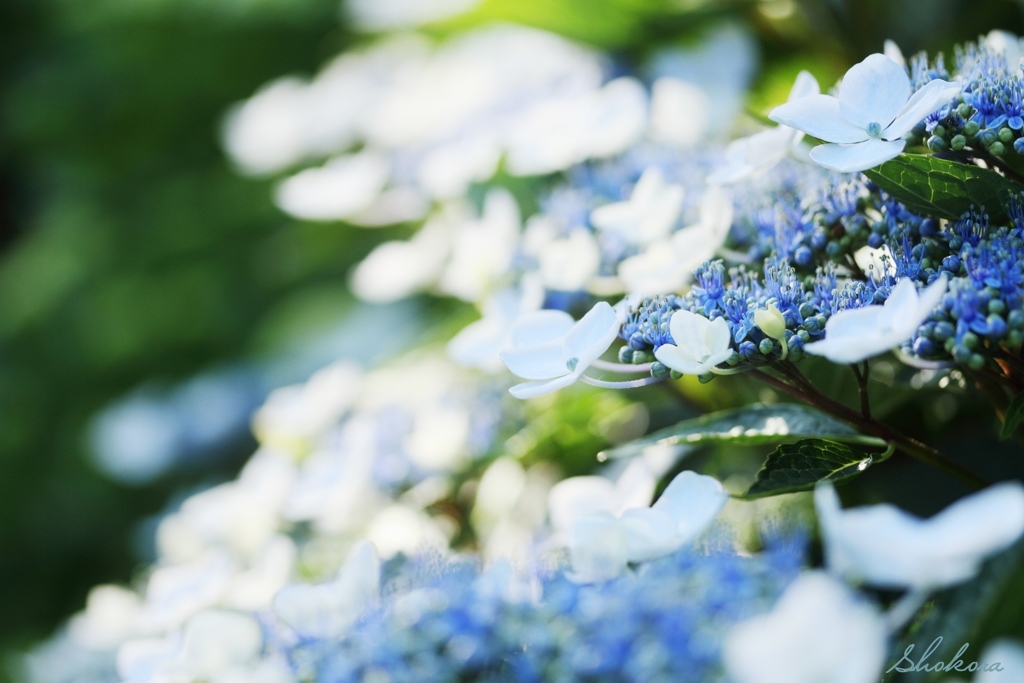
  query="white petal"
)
[
  {"x": 818, "y": 631},
  {"x": 542, "y": 387},
  {"x": 818, "y": 116},
  {"x": 930, "y": 296},
  {"x": 805, "y": 85},
  {"x": 981, "y": 524},
  {"x": 650, "y": 534},
  {"x": 857, "y": 157},
  {"x": 873, "y": 91},
  {"x": 851, "y": 336},
  {"x": 1009, "y": 654},
  {"x": 543, "y": 361},
  {"x": 886, "y": 547},
  {"x": 891, "y": 50},
  {"x": 932, "y": 96},
  {"x": 541, "y": 327},
  {"x": 693, "y": 501},
  {"x": 671, "y": 356},
  {"x": 592, "y": 335},
  {"x": 576, "y": 497},
  {"x": 477, "y": 345},
  {"x": 718, "y": 336},
  {"x": 597, "y": 547},
  {"x": 689, "y": 332}
]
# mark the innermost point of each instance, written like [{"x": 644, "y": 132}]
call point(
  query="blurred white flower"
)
[
  {"x": 552, "y": 350},
  {"x": 293, "y": 417},
  {"x": 343, "y": 187},
  {"x": 400, "y": 528},
  {"x": 576, "y": 497},
  {"x": 601, "y": 544},
  {"x": 478, "y": 344},
  {"x": 857, "y": 334},
  {"x": 110, "y": 617},
  {"x": 329, "y": 610},
  {"x": 567, "y": 264},
  {"x": 818, "y": 631},
  {"x": 482, "y": 249},
  {"x": 1009, "y": 654},
  {"x": 701, "y": 344},
  {"x": 215, "y": 645},
  {"x": 698, "y": 92},
  {"x": 886, "y": 547},
  {"x": 665, "y": 266},
  {"x": 239, "y": 515},
  {"x": 394, "y": 270},
  {"x": 648, "y": 215},
  {"x": 176, "y": 592},
  {"x": 752, "y": 156},
  {"x": 865, "y": 125},
  {"x": 573, "y": 127}
]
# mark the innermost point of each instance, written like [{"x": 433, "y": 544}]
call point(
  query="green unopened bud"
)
[
  {"x": 1005, "y": 135},
  {"x": 997, "y": 148},
  {"x": 770, "y": 321},
  {"x": 958, "y": 142},
  {"x": 971, "y": 128}
]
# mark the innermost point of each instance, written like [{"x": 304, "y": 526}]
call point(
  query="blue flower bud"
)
[{"x": 803, "y": 256}]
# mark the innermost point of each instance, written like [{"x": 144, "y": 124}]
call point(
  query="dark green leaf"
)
[
  {"x": 801, "y": 465},
  {"x": 1014, "y": 416},
  {"x": 987, "y": 607},
  {"x": 750, "y": 425},
  {"x": 944, "y": 189}
]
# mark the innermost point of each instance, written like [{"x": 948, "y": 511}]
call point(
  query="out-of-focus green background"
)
[{"x": 130, "y": 252}]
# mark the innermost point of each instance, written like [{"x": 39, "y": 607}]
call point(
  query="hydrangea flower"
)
[
  {"x": 701, "y": 344},
  {"x": 602, "y": 545},
  {"x": 818, "y": 631},
  {"x": 854, "y": 335},
  {"x": 552, "y": 350},
  {"x": 886, "y": 547},
  {"x": 648, "y": 215},
  {"x": 864, "y": 125},
  {"x": 329, "y": 610},
  {"x": 756, "y": 154}
]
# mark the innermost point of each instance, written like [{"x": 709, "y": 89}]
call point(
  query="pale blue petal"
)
[
  {"x": 857, "y": 157},
  {"x": 932, "y": 96},
  {"x": 873, "y": 91},
  {"x": 542, "y": 387},
  {"x": 692, "y": 501},
  {"x": 592, "y": 335},
  {"x": 540, "y": 327},
  {"x": 805, "y": 85},
  {"x": 818, "y": 116},
  {"x": 672, "y": 357},
  {"x": 543, "y": 361}
]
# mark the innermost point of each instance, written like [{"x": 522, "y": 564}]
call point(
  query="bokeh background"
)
[{"x": 151, "y": 296}]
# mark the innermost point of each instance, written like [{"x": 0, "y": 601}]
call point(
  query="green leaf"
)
[
  {"x": 987, "y": 607},
  {"x": 801, "y": 465},
  {"x": 943, "y": 189},
  {"x": 750, "y": 425},
  {"x": 1014, "y": 416}
]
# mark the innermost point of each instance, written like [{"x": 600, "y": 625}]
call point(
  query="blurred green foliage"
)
[{"x": 131, "y": 250}]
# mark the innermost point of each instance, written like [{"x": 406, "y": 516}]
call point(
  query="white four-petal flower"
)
[
  {"x": 857, "y": 334},
  {"x": 648, "y": 215},
  {"x": 552, "y": 350},
  {"x": 886, "y": 547},
  {"x": 818, "y": 631},
  {"x": 701, "y": 344},
  {"x": 601, "y": 545},
  {"x": 865, "y": 125},
  {"x": 329, "y": 610},
  {"x": 751, "y": 156}
]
